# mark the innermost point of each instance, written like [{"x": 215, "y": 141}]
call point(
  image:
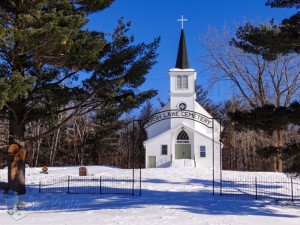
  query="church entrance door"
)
[
  {"x": 183, "y": 151},
  {"x": 152, "y": 161}
]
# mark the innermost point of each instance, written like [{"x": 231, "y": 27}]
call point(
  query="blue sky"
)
[{"x": 158, "y": 18}]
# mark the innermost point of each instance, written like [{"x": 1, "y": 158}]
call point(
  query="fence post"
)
[
  {"x": 68, "y": 184},
  {"x": 221, "y": 187},
  {"x": 100, "y": 185},
  {"x": 256, "y": 188},
  {"x": 292, "y": 189},
  {"x": 133, "y": 151},
  {"x": 40, "y": 187},
  {"x": 140, "y": 158},
  {"x": 140, "y": 181}
]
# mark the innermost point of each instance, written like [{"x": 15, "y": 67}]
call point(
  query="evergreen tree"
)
[
  {"x": 106, "y": 134},
  {"x": 239, "y": 151},
  {"x": 269, "y": 41},
  {"x": 43, "y": 49},
  {"x": 268, "y": 118}
]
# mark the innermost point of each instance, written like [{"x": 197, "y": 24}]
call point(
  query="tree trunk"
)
[
  {"x": 16, "y": 169},
  {"x": 279, "y": 144},
  {"x": 38, "y": 146},
  {"x": 274, "y": 163},
  {"x": 16, "y": 152},
  {"x": 54, "y": 146},
  {"x": 276, "y": 160}
]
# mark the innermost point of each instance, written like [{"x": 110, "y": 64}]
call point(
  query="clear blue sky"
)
[{"x": 154, "y": 18}]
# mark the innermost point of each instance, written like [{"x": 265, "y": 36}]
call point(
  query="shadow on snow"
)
[{"x": 193, "y": 201}]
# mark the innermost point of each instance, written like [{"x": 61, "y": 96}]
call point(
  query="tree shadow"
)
[{"x": 193, "y": 201}]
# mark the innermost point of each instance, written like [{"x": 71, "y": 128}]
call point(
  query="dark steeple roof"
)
[{"x": 182, "y": 61}]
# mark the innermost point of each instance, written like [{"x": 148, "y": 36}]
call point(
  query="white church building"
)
[{"x": 183, "y": 133}]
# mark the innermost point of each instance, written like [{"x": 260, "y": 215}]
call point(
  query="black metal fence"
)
[
  {"x": 258, "y": 188},
  {"x": 88, "y": 185}
]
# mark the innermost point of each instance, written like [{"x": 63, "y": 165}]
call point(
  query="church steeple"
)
[{"x": 182, "y": 61}]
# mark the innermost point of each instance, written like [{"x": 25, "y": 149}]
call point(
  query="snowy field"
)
[{"x": 175, "y": 196}]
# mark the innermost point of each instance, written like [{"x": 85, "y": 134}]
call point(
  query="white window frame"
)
[
  {"x": 162, "y": 149},
  {"x": 202, "y": 152},
  {"x": 179, "y": 82},
  {"x": 185, "y": 82},
  {"x": 182, "y": 82}
]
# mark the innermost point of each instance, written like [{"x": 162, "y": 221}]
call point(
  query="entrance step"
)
[{"x": 179, "y": 163}]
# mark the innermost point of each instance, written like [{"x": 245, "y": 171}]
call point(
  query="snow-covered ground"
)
[{"x": 175, "y": 196}]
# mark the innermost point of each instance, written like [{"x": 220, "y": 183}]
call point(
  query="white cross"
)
[{"x": 182, "y": 21}]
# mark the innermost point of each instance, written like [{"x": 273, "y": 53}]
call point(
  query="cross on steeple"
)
[
  {"x": 182, "y": 20},
  {"x": 182, "y": 61}
]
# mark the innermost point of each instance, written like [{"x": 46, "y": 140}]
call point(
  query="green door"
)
[
  {"x": 152, "y": 161},
  {"x": 182, "y": 151}
]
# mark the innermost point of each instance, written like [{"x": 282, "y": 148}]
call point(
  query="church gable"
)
[{"x": 201, "y": 110}]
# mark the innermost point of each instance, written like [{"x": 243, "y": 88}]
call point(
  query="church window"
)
[
  {"x": 179, "y": 82},
  {"x": 182, "y": 137},
  {"x": 164, "y": 149},
  {"x": 202, "y": 151},
  {"x": 182, "y": 82}
]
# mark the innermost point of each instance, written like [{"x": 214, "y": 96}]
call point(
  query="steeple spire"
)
[{"x": 182, "y": 61}]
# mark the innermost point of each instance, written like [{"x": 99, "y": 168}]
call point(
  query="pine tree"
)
[
  {"x": 239, "y": 151},
  {"x": 271, "y": 40},
  {"x": 105, "y": 137},
  {"x": 268, "y": 118},
  {"x": 44, "y": 48}
]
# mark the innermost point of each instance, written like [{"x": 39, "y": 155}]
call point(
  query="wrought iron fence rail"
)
[
  {"x": 277, "y": 188},
  {"x": 88, "y": 185}
]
